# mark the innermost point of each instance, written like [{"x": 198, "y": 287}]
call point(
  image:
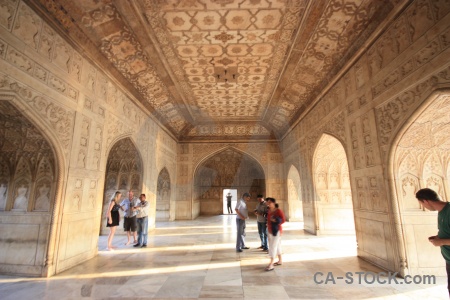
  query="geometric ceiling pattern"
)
[
  {"x": 226, "y": 56},
  {"x": 221, "y": 69}
]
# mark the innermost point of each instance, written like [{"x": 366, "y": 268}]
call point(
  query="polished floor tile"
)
[{"x": 197, "y": 260}]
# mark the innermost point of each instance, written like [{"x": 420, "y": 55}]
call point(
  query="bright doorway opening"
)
[{"x": 226, "y": 194}]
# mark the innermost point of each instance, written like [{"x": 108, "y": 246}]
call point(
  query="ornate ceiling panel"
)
[
  {"x": 221, "y": 69},
  {"x": 227, "y": 55}
]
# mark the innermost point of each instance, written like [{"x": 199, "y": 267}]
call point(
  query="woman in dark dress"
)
[{"x": 113, "y": 218}]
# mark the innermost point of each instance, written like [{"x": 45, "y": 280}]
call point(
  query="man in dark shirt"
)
[
  {"x": 230, "y": 211},
  {"x": 261, "y": 219},
  {"x": 431, "y": 201}
]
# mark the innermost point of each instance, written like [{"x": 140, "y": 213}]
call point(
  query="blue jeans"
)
[
  {"x": 262, "y": 230},
  {"x": 142, "y": 229},
  {"x": 240, "y": 241}
]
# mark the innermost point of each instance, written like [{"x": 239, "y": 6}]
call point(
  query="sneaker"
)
[
  {"x": 144, "y": 245},
  {"x": 239, "y": 250},
  {"x": 245, "y": 248},
  {"x": 260, "y": 247},
  {"x": 137, "y": 245}
]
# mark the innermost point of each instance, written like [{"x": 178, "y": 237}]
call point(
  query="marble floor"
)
[{"x": 197, "y": 260}]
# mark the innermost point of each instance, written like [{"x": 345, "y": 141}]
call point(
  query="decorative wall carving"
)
[
  {"x": 255, "y": 150},
  {"x": 3, "y": 191},
  {"x": 115, "y": 127},
  {"x": 26, "y": 64},
  {"x": 331, "y": 170},
  {"x": 43, "y": 186},
  {"x": 294, "y": 193},
  {"x": 422, "y": 157},
  {"x": 84, "y": 143},
  {"x": 62, "y": 54},
  {"x": 27, "y": 25},
  {"x": 336, "y": 126},
  {"x": 163, "y": 196},
  {"x": 421, "y": 57},
  {"x": 390, "y": 114},
  {"x": 230, "y": 130},
  {"x": 28, "y": 171},
  {"x": 9, "y": 9},
  {"x": 332, "y": 188}
]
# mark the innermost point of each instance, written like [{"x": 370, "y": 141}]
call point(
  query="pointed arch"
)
[
  {"x": 124, "y": 172},
  {"x": 200, "y": 162},
  {"x": 294, "y": 189},
  {"x": 227, "y": 168},
  {"x": 163, "y": 194},
  {"x": 419, "y": 158},
  {"x": 333, "y": 206},
  {"x": 35, "y": 134}
]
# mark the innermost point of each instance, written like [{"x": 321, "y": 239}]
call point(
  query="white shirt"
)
[
  {"x": 143, "y": 208},
  {"x": 242, "y": 207}
]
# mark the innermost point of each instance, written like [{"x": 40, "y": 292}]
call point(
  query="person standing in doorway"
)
[
  {"x": 261, "y": 220},
  {"x": 275, "y": 217},
  {"x": 113, "y": 218},
  {"x": 129, "y": 224},
  {"x": 230, "y": 211},
  {"x": 431, "y": 201},
  {"x": 241, "y": 215},
  {"x": 142, "y": 221}
]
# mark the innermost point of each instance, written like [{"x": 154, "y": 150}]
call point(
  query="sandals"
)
[{"x": 269, "y": 268}]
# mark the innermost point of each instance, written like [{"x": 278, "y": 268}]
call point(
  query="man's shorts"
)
[{"x": 130, "y": 224}]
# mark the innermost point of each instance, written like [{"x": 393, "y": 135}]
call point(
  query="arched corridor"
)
[{"x": 337, "y": 109}]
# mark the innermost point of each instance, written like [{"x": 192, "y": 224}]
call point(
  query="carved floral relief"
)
[{"x": 28, "y": 169}]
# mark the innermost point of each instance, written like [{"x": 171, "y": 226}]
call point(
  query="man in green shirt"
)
[{"x": 430, "y": 200}]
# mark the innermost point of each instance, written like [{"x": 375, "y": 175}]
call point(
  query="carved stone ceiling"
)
[{"x": 220, "y": 69}]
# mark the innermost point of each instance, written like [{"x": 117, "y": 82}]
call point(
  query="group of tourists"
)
[
  {"x": 135, "y": 213},
  {"x": 269, "y": 218}
]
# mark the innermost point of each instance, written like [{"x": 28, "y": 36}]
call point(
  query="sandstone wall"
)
[
  {"x": 82, "y": 113},
  {"x": 398, "y": 74}
]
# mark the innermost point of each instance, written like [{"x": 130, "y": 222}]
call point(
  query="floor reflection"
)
[{"x": 197, "y": 259}]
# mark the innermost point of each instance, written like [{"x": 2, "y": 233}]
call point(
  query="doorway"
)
[
  {"x": 225, "y": 194},
  {"x": 226, "y": 170}
]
